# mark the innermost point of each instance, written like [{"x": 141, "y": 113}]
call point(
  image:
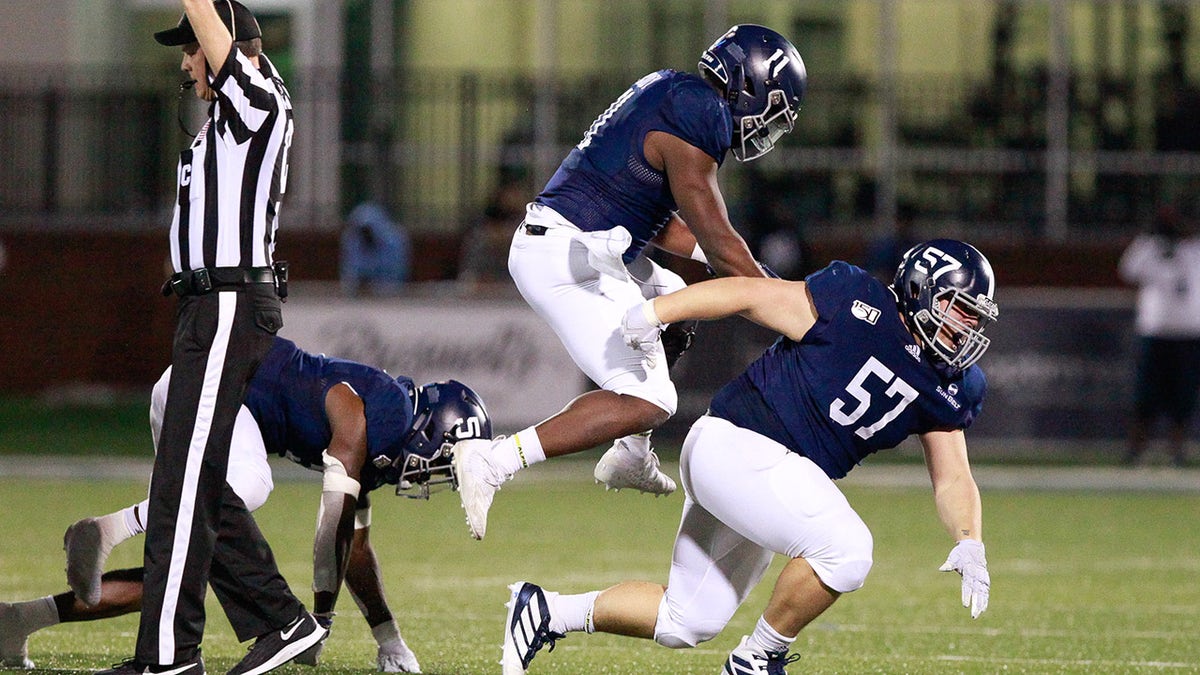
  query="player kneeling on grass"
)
[
  {"x": 860, "y": 366},
  {"x": 356, "y": 424}
]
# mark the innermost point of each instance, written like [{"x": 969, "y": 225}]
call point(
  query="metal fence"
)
[{"x": 91, "y": 149}]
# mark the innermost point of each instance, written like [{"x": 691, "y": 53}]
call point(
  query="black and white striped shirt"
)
[{"x": 233, "y": 176}]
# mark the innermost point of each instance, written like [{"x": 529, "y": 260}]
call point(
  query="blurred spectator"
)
[
  {"x": 1164, "y": 264},
  {"x": 376, "y": 253},
  {"x": 777, "y": 209},
  {"x": 884, "y": 253},
  {"x": 484, "y": 258}
]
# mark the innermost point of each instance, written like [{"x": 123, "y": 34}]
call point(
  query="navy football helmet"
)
[
  {"x": 945, "y": 290},
  {"x": 446, "y": 413},
  {"x": 763, "y": 78}
]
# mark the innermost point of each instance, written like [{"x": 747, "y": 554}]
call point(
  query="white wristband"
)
[
  {"x": 698, "y": 254},
  {"x": 650, "y": 314}
]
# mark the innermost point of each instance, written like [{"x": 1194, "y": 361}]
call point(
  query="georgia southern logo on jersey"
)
[{"x": 863, "y": 311}]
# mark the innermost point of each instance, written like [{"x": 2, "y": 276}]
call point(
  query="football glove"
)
[
  {"x": 967, "y": 558},
  {"x": 640, "y": 328},
  {"x": 677, "y": 339}
]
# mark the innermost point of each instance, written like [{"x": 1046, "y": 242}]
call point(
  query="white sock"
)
[
  {"x": 133, "y": 518},
  {"x": 34, "y": 615},
  {"x": 638, "y": 443},
  {"x": 517, "y": 452},
  {"x": 768, "y": 639},
  {"x": 572, "y": 612}
]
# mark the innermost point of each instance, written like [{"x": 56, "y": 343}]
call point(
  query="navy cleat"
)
[
  {"x": 746, "y": 660},
  {"x": 527, "y": 627}
]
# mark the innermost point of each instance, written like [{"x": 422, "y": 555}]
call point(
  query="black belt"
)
[
  {"x": 208, "y": 279},
  {"x": 535, "y": 230}
]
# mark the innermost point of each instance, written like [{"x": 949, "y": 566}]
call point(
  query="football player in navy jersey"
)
[
  {"x": 860, "y": 366},
  {"x": 359, "y": 426},
  {"x": 644, "y": 174}
]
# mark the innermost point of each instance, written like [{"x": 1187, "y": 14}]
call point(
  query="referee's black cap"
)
[{"x": 237, "y": 18}]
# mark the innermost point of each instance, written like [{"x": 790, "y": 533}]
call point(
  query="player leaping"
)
[{"x": 644, "y": 173}]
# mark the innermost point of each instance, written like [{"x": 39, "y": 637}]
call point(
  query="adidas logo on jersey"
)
[
  {"x": 913, "y": 351},
  {"x": 865, "y": 312}
]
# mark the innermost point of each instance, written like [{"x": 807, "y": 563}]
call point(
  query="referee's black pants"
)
[{"x": 197, "y": 529}]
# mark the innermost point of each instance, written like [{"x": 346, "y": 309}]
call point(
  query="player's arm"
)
[
  {"x": 340, "y": 488},
  {"x": 211, "y": 33},
  {"x": 692, "y": 175},
  {"x": 961, "y": 512},
  {"x": 954, "y": 489},
  {"x": 785, "y": 307},
  {"x": 677, "y": 238},
  {"x": 365, "y": 580}
]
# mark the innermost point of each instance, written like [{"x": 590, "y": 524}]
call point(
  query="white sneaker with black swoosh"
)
[{"x": 278, "y": 647}]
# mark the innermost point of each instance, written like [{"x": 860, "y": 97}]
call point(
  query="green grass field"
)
[{"x": 1100, "y": 582}]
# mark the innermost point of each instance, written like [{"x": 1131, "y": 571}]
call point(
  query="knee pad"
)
[
  {"x": 844, "y": 565},
  {"x": 677, "y": 632}
]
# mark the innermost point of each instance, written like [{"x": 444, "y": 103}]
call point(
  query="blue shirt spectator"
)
[{"x": 376, "y": 253}]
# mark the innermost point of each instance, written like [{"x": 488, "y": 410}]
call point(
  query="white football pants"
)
[
  {"x": 248, "y": 472},
  {"x": 746, "y": 498},
  {"x": 560, "y": 275}
]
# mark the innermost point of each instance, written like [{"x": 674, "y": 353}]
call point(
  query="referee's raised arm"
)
[{"x": 211, "y": 33}]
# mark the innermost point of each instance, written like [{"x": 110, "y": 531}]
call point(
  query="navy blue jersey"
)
[
  {"x": 606, "y": 181},
  {"x": 855, "y": 384},
  {"x": 287, "y": 399}
]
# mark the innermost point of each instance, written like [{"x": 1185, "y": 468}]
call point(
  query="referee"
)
[{"x": 198, "y": 531}]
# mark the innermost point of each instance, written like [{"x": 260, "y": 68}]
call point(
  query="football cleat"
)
[
  {"x": 87, "y": 548},
  {"x": 624, "y": 467},
  {"x": 477, "y": 484},
  {"x": 746, "y": 660},
  {"x": 526, "y": 628},
  {"x": 14, "y": 641}
]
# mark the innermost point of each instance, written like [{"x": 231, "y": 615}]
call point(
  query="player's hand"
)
[
  {"x": 395, "y": 657},
  {"x": 640, "y": 328},
  {"x": 967, "y": 558}
]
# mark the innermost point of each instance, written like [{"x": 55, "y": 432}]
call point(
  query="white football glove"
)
[
  {"x": 640, "y": 328},
  {"x": 967, "y": 558},
  {"x": 395, "y": 657}
]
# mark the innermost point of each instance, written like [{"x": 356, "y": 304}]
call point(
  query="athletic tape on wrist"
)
[{"x": 650, "y": 314}]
